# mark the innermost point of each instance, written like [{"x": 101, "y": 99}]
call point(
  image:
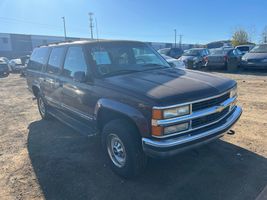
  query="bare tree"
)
[{"x": 240, "y": 37}]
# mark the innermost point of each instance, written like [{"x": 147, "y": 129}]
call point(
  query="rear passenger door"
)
[
  {"x": 77, "y": 100},
  {"x": 52, "y": 86}
]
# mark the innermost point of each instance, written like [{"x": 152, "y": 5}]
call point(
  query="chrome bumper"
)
[{"x": 168, "y": 147}]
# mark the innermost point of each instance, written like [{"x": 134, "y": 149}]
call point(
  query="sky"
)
[{"x": 199, "y": 21}]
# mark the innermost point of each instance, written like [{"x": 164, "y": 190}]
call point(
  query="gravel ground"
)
[{"x": 47, "y": 160}]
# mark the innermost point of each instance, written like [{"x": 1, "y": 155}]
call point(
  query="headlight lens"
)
[
  {"x": 176, "y": 112},
  {"x": 233, "y": 92},
  {"x": 244, "y": 59},
  {"x": 176, "y": 128}
]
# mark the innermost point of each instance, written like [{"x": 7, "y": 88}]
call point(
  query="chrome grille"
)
[
  {"x": 209, "y": 118},
  {"x": 209, "y": 103}
]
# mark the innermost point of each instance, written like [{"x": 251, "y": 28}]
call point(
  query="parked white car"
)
[
  {"x": 15, "y": 65},
  {"x": 174, "y": 62}
]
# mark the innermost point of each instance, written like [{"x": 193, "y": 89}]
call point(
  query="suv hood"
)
[{"x": 170, "y": 86}]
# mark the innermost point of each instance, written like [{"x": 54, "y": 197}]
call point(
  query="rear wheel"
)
[
  {"x": 123, "y": 148},
  {"x": 42, "y": 107}
]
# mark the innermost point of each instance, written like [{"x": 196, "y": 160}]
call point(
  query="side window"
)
[
  {"x": 232, "y": 53},
  {"x": 55, "y": 60},
  {"x": 74, "y": 62},
  {"x": 38, "y": 59}
]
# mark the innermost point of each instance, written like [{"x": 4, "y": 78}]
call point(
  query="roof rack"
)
[{"x": 59, "y": 42}]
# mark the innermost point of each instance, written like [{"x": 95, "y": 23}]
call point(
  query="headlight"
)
[
  {"x": 176, "y": 112},
  {"x": 176, "y": 128},
  {"x": 233, "y": 92},
  {"x": 244, "y": 59},
  {"x": 170, "y": 112}
]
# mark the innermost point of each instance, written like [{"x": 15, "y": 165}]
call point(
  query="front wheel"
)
[{"x": 123, "y": 148}]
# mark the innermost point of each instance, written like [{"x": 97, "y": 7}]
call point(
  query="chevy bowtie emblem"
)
[{"x": 219, "y": 108}]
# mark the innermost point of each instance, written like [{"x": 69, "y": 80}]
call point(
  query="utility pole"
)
[
  {"x": 64, "y": 24},
  {"x": 175, "y": 34},
  {"x": 91, "y": 24},
  {"x": 180, "y": 42}
]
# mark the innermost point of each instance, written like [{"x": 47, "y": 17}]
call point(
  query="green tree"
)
[{"x": 240, "y": 37}]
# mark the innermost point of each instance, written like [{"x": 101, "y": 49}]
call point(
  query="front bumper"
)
[
  {"x": 172, "y": 146},
  {"x": 4, "y": 73},
  {"x": 254, "y": 65}
]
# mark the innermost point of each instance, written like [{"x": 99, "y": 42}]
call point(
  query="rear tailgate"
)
[{"x": 216, "y": 59}]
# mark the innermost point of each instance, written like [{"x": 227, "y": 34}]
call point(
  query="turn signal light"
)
[
  {"x": 157, "y": 130},
  {"x": 157, "y": 114}
]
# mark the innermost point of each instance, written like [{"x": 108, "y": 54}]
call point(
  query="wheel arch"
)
[
  {"x": 35, "y": 90},
  {"x": 107, "y": 110}
]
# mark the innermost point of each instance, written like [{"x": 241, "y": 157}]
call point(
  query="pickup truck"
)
[{"x": 140, "y": 107}]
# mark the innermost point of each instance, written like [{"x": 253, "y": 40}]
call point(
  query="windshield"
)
[
  {"x": 259, "y": 49},
  {"x": 243, "y": 48},
  {"x": 113, "y": 59},
  {"x": 192, "y": 52}
]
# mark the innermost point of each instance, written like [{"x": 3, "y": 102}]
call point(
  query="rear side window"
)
[
  {"x": 74, "y": 62},
  {"x": 38, "y": 59},
  {"x": 55, "y": 60}
]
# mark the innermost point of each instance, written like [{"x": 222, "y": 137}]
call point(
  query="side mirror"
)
[{"x": 79, "y": 77}]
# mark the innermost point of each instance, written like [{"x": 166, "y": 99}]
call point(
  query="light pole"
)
[
  {"x": 91, "y": 24},
  {"x": 64, "y": 24}
]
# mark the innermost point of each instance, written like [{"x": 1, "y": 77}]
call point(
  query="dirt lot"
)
[{"x": 47, "y": 160}]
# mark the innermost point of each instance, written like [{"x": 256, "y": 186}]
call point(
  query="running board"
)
[{"x": 82, "y": 128}]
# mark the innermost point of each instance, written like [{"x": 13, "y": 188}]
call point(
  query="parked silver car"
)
[{"x": 256, "y": 58}]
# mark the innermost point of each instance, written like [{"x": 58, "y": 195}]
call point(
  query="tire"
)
[
  {"x": 130, "y": 159},
  {"x": 42, "y": 107}
]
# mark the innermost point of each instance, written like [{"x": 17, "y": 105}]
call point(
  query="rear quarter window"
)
[{"x": 38, "y": 59}]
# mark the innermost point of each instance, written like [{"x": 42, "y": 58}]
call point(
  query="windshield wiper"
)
[
  {"x": 154, "y": 65},
  {"x": 123, "y": 71}
]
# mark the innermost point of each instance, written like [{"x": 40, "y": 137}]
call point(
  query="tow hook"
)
[{"x": 231, "y": 132}]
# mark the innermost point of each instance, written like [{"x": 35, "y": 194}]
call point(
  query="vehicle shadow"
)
[{"x": 69, "y": 165}]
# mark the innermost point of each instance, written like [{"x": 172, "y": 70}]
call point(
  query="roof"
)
[
  {"x": 88, "y": 42},
  {"x": 197, "y": 49},
  {"x": 245, "y": 45}
]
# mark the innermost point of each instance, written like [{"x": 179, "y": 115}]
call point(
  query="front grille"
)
[
  {"x": 211, "y": 102},
  {"x": 209, "y": 118}
]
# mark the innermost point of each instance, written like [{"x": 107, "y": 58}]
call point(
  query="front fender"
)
[{"x": 135, "y": 115}]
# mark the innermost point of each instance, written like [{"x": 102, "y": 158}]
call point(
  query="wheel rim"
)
[
  {"x": 41, "y": 106},
  {"x": 116, "y": 150}
]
